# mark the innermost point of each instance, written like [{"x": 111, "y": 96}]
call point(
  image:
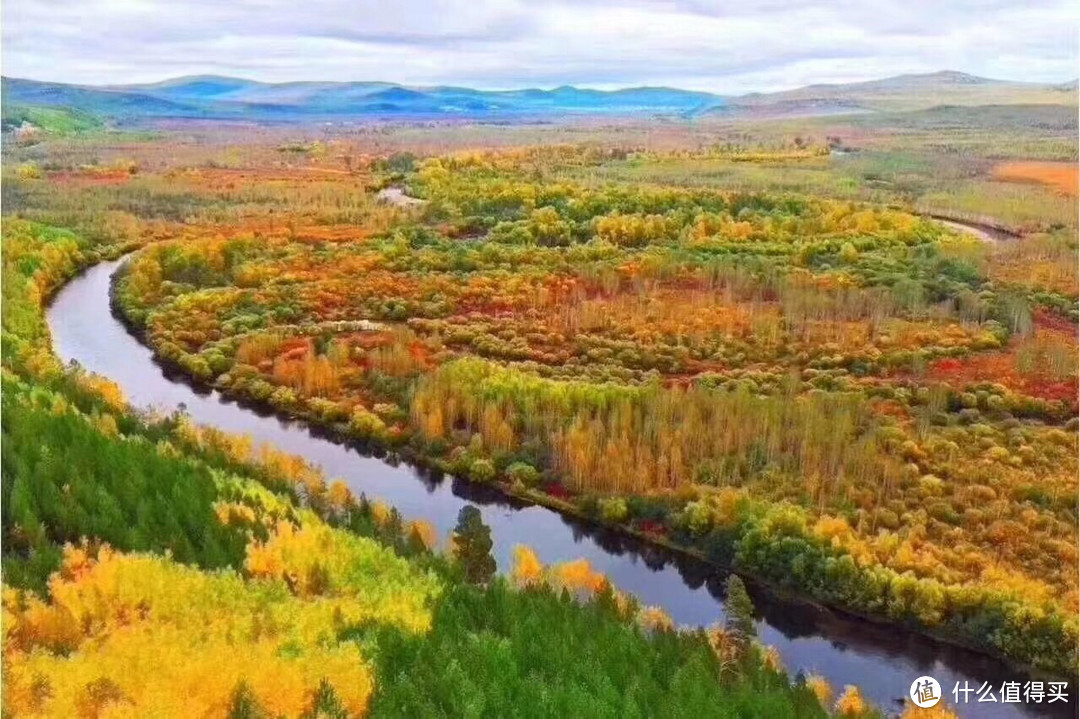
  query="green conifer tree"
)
[
  {"x": 244, "y": 705},
  {"x": 739, "y": 608},
  {"x": 325, "y": 704},
  {"x": 472, "y": 546}
]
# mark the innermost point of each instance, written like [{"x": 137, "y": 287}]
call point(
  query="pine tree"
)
[
  {"x": 739, "y": 608},
  {"x": 472, "y": 546},
  {"x": 325, "y": 704},
  {"x": 244, "y": 705}
]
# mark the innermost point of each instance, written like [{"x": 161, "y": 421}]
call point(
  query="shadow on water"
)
[{"x": 882, "y": 660}]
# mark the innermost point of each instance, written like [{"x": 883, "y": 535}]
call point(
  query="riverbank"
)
[
  {"x": 844, "y": 650},
  {"x": 668, "y": 537},
  {"x": 180, "y": 522},
  {"x": 985, "y": 230}
]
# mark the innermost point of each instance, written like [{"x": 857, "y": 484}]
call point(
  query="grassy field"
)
[{"x": 942, "y": 161}]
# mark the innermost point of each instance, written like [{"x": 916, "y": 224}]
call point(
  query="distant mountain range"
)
[
  {"x": 226, "y": 97},
  {"x": 215, "y": 97},
  {"x": 913, "y": 92}
]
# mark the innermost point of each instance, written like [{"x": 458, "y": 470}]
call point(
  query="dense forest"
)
[
  {"x": 257, "y": 588},
  {"x": 260, "y": 590},
  {"x": 839, "y": 397},
  {"x": 847, "y": 400}
]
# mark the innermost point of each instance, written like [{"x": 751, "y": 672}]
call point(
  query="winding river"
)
[{"x": 881, "y": 660}]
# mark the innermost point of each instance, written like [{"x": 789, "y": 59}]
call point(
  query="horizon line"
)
[{"x": 521, "y": 88}]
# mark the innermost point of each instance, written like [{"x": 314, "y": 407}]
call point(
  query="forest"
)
[
  {"x": 717, "y": 345},
  {"x": 262, "y": 589}
]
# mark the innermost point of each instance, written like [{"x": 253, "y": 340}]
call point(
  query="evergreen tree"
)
[
  {"x": 472, "y": 546},
  {"x": 325, "y": 704},
  {"x": 244, "y": 705},
  {"x": 739, "y": 608}
]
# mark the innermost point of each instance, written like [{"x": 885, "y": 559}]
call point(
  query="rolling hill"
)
[
  {"x": 217, "y": 97},
  {"x": 905, "y": 92}
]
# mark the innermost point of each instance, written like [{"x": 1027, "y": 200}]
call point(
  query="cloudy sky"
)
[{"x": 725, "y": 47}]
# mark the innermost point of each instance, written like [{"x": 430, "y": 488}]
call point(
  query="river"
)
[{"x": 881, "y": 660}]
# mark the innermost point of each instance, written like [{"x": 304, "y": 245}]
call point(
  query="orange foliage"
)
[
  {"x": 821, "y": 689},
  {"x": 424, "y": 531},
  {"x": 528, "y": 569},
  {"x": 1062, "y": 176},
  {"x": 851, "y": 703},
  {"x": 577, "y": 576}
]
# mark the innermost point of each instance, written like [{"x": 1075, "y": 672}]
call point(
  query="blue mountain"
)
[
  {"x": 89, "y": 99},
  {"x": 209, "y": 96},
  {"x": 218, "y": 97}
]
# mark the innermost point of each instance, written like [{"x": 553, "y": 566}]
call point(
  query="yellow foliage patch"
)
[
  {"x": 821, "y": 689},
  {"x": 655, "y": 619},
  {"x": 316, "y": 560},
  {"x": 938, "y": 711},
  {"x": 85, "y": 652},
  {"x": 425, "y": 531},
  {"x": 138, "y": 635},
  {"x": 851, "y": 702},
  {"x": 527, "y": 570}
]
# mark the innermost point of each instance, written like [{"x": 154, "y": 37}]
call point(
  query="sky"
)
[{"x": 722, "y": 47}]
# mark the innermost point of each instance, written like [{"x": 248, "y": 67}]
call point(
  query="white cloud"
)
[{"x": 718, "y": 46}]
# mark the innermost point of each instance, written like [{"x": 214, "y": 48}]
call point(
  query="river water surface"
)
[{"x": 882, "y": 661}]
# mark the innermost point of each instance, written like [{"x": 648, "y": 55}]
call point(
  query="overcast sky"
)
[{"x": 724, "y": 47}]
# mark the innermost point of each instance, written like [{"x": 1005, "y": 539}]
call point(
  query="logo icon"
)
[{"x": 925, "y": 692}]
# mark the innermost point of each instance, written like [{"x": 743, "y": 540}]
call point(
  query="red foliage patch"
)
[
  {"x": 420, "y": 354},
  {"x": 1046, "y": 320},
  {"x": 557, "y": 490},
  {"x": 892, "y": 408},
  {"x": 98, "y": 177},
  {"x": 651, "y": 526},
  {"x": 1000, "y": 367}
]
